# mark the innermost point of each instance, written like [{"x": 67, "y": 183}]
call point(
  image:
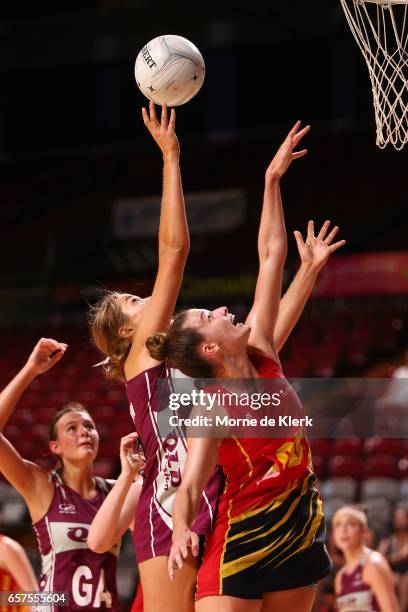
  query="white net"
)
[{"x": 380, "y": 28}]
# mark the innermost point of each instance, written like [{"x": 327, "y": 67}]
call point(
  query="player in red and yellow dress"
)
[
  {"x": 269, "y": 533},
  {"x": 267, "y": 548}
]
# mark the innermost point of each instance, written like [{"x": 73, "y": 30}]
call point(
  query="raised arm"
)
[
  {"x": 46, "y": 353},
  {"x": 314, "y": 254},
  {"x": 14, "y": 560},
  {"x": 29, "y": 479},
  {"x": 174, "y": 241},
  {"x": 200, "y": 463},
  {"x": 118, "y": 509},
  {"x": 272, "y": 247}
]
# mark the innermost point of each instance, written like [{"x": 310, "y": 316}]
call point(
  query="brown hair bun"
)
[{"x": 158, "y": 346}]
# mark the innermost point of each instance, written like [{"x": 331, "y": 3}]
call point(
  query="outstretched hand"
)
[
  {"x": 46, "y": 353},
  {"x": 163, "y": 130},
  {"x": 317, "y": 249},
  {"x": 286, "y": 154}
]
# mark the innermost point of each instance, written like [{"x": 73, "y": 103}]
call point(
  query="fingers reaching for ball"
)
[{"x": 163, "y": 131}]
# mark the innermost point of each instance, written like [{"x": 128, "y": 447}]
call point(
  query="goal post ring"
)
[{"x": 380, "y": 28}]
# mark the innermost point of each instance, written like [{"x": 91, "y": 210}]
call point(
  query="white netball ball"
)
[{"x": 169, "y": 69}]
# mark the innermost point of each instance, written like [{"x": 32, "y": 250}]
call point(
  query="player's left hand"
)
[{"x": 316, "y": 250}]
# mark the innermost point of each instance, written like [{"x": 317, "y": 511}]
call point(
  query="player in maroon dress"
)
[
  {"x": 267, "y": 547},
  {"x": 120, "y": 325},
  {"x": 63, "y": 502},
  {"x": 366, "y": 582}
]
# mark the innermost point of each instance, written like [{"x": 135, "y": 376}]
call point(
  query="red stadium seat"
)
[
  {"x": 345, "y": 465},
  {"x": 383, "y": 446},
  {"x": 319, "y": 466},
  {"x": 321, "y": 446},
  {"x": 403, "y": 468},
  {"x": 67, "y": 384},
  {"x": 381, "y": 466},
  {"x": 404, "y": 448},
  {"x": 347, "y": 446}
]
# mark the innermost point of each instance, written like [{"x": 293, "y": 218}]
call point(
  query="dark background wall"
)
[{"x": 72, "y": 140}]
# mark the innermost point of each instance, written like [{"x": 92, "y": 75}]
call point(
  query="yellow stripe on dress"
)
[
  {"x": 249, "y": 462},
  {"x": 287, "y": 540}
]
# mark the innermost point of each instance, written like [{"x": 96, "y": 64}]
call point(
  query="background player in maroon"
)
[
  {"x": 114, "y": 511},
  {"x": 63, "y": 503},
  {"x": 366, "y": 582}
]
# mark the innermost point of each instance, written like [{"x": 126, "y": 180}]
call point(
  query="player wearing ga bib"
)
[
  {"x": 270, "y": 531},
  {"x": 165, "y": 458},
  {"x": 68, "y": 564}
]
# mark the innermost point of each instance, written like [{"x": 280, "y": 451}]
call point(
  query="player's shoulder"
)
[
  {"x": 376, "y": 565},
  {"x": 376, "y": 559}
]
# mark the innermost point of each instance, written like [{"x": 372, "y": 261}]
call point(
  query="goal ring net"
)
[{"x": 380, "y": 28}]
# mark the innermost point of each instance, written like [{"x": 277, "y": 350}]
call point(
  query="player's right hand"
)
[
  {"x": 132, "y": 462},
  {"x": 46, "y": 353},
  {"x": 163, "y": 130}
]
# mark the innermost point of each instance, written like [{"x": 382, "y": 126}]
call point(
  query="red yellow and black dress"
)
[{"x": 269, "y": 534}]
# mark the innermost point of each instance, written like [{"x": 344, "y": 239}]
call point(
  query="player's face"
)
[
  {"x": 133, "y": 306},
  {"x": 77, "y": 438},
  {"x": 218, "y": 327},
  {"x": 348, "y": 532}
]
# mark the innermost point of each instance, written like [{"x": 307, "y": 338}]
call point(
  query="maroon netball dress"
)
[
  {"x": 355, "y": 594},
  {"x": 68, "y": 564},
  {"x": 165, "y": 458}
]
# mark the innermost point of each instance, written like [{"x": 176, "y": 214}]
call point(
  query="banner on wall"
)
[
  {"x": 364, "y": 274},
  {"x": 209, "y": 212}
]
